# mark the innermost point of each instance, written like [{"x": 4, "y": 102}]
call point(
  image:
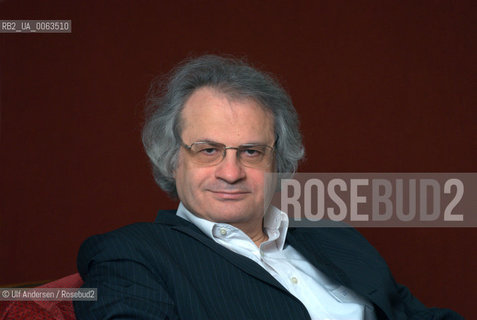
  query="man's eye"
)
[
  {"x": 209, "y": 151},
  {"x": 251, "y": 153}
]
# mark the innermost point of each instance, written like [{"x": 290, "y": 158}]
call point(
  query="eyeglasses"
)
[{"x": 211, "y": 153}]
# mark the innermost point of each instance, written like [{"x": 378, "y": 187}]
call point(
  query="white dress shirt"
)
[{"x": 323, "y": 298}]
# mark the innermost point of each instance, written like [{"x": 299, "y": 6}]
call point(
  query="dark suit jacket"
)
[{"x": 171, "y": 270}]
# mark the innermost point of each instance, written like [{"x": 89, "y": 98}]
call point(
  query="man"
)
[{"x": 215, "y": 129}]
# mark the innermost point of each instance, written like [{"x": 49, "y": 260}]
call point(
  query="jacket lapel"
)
[{"x": 315, "y": 255}]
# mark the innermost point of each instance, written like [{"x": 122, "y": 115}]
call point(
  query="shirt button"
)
[
  {"x": 294, "y": 280},
  {"x": 223, "y": 231}
]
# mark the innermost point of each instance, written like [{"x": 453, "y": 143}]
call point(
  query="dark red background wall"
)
[{"x": 381, "y": 86}]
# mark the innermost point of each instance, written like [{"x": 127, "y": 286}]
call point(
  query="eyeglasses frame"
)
[{"x": 225, "y": 148}]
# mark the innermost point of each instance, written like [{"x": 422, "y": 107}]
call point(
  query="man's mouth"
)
[{"x": 229, "y": 194}]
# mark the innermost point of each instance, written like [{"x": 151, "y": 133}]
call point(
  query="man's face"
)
[{"x": 227, "y": 192}]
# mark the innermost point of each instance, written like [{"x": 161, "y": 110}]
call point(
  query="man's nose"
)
[{"x": 230, "y": 169}]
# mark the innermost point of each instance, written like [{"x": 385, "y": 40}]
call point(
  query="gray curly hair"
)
[{"x": 231, "y": 76}]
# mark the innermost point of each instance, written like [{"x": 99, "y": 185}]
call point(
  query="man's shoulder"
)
[
  {"x": 164, "y": 221},
  {"x": 135, "y": 239}
]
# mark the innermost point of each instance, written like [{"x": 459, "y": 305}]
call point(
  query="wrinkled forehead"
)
[{"x": 210, "y": 105}]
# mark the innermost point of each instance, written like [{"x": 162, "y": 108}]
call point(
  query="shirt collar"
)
[
  {"x": 275, "y": 223},
  {"x": 204, "y": 225}
]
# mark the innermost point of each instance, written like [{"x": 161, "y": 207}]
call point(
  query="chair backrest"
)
[{"x": 59, "y": 310}]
